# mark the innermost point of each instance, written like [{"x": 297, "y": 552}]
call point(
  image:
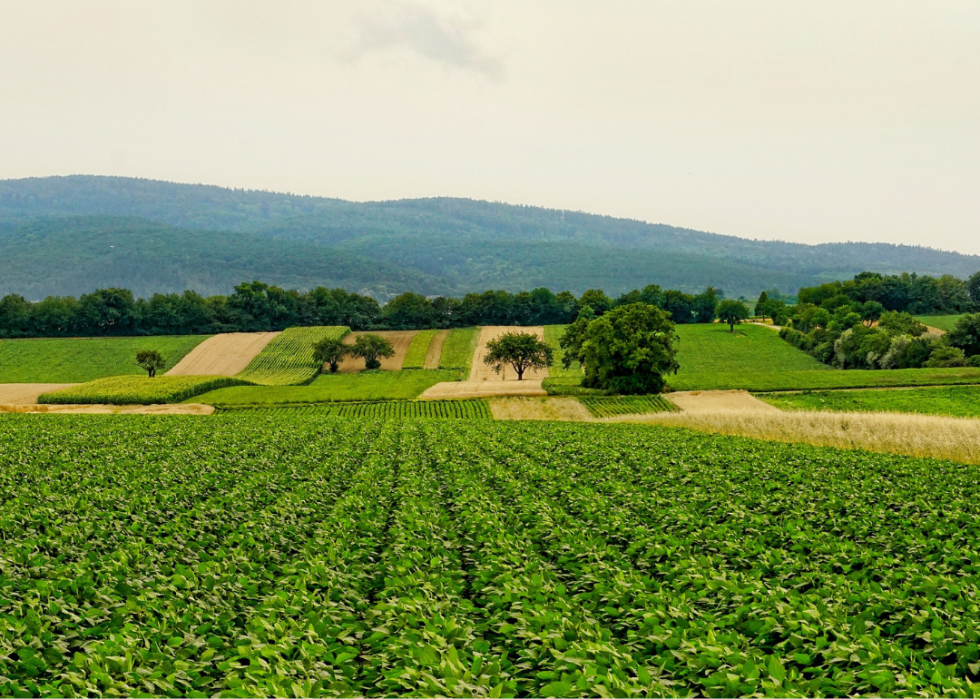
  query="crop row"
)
[
  {"x": 460, "y": 409},
  {"x": 457, "y": 351},
  {"x": 608, "y": 406},
  {"x": 273, "y": 553},
  {"x": 130, "y": 390},
  {"x": 419, "y": 349},
  {"x": 288, "y": 359}
]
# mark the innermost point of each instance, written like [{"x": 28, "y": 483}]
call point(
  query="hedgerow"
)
[{"x": 261, "y": 553}]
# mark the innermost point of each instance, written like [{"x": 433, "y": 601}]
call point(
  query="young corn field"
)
[
  {"x": 288, "y": 359},
  {"x": 266, "y": 554}
]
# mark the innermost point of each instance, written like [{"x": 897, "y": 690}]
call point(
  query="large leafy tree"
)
[
  {"x": 332, "y": 351},
  {"x": 966, "y": 334},
  {"x": 522, "y": 351},
  {"x": 630, "y": 349},
  {"x": 370, "y": 347},
  {"x": 732, "y": 312},
  {"x": 150, "y": 361}
]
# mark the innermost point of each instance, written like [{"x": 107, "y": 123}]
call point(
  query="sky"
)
[{"x": 809, "y": 121}]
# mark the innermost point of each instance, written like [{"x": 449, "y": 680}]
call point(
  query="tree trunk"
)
[{"x": 153, "y": 372}]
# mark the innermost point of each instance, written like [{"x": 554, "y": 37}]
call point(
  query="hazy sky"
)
[{"x": 805, "y": 121}]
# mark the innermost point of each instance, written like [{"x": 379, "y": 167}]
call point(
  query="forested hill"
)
[{"x": 56, "y": 236}]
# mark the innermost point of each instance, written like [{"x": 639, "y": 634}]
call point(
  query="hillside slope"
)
[{"x": 434, "y": 245}]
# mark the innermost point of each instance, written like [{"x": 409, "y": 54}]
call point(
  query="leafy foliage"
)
[
  {"x": 139, "y": 390},
  {"x": 732, "y": 312},
  {"x": 269, "y": 553},
  {"x": 371, "y": 346},
  {"x": 289, "y": 359},
  {"x": 150, "y": 361},
  {"x": 330, "y": 351},
  {"x": 522, "y": 351}
]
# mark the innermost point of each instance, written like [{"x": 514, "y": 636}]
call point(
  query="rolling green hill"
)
[{"x": 208, "y": 238}]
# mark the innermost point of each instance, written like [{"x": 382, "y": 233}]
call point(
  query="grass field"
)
[
  {"x": 456, "y": 409},
  {"x": 803, "y": 380},
  {"x": 364, "y": 386},
  {"x": 139, "y": 390},
  {"x": 458, "y": 351},
  {"x": 552, "y": 334},
  {"x": 609, "y": 406},
  {"x": 957, "y": 401},
  {"x": 945, "y": 323},
  {"x": 288, "y": 359},
  {"x": 415, "y": 358},
  {"x": 272, "y": 554},
  {"x": 712, "y": 349},
  {"x": 75, "y": 360}
]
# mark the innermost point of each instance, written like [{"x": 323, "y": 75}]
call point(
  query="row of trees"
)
[
  {"x": 255, "y": 306},
  {"x": 908, "y": 293}
]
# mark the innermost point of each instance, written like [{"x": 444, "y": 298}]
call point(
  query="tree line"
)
[{"x": 256, "y": 306}]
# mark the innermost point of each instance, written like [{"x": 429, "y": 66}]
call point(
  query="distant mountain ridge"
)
[{"x": 208, "y": 237}]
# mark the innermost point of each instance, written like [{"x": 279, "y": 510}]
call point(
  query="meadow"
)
[
  {"x": 751, "y": 349},
  {"x": 944, "y": 323},
  {"x": 829, "y": 379},
  {"x": 956, "y": 401},
  {"x": 79, "y": 359},
  {"x": 417, "y": 351},
  {"x": 259, "y": 553},
  {"x": 362, "y": 386},
  {"x": 457, "y": 352}
]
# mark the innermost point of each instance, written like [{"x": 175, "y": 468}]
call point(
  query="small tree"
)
[
  {"x": 732, "y": 312},
  {"x": 150, "y": 361},
  {"x": 370, "y": 347},
  {"x": 762, "y": 305},
  {"x": 330, "y": 351},
  {"x": 522, "y": 351}
]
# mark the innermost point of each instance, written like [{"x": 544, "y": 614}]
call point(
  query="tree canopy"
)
[
  {"x": 371, "y": 346},
  {"x": 150, "y": 361},
  {"x": 732, "y": 312},
  {"x": 522, "y": 351}
]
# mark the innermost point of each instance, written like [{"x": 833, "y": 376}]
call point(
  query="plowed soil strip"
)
[
  {"x": 481, "y": 372},
  {"x": 399, "y": 339},
  {"x": 27, "y": 393},
  {"x": 222, "y": 355},
  {"x": 435, "y": 349}
]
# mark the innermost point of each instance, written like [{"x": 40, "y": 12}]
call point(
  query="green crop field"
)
[
  {"x": 956, "y": 401},
  {"x": 288, "y": 359},
  {"x": 457, "y": 352},
  {"x": 609, "y": 406},
  {"x": 418, "y": 349},
  {"x": 712, "y": 349},
  {"x": 552, "y": 334},
  {"x": 139, "y": 390},
  {"x": 362, "y": 386},
  {"x": 459, "y": 409},
  {"x": 259, "y": 553},
  {"x": 78, "y": 359},
  {"x": 945, "y": 323}
]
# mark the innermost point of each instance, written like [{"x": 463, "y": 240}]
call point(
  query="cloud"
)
[{"x": 441, "y": 39}]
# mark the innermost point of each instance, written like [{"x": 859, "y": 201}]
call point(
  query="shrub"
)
[{"x": 944, "y": 357}]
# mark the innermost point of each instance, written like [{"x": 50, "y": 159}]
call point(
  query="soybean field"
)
[
  {"x": 288, "y": 359},
  {"x": 257, "y": 553},
  {"x": 459, "y": 409},
  {"x": 610, "y": 406}
]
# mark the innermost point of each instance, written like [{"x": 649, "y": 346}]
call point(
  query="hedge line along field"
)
[
  {"x": 457, "y": 409},
  {"x": 138, "y": 390},
  {"x": 610, "y": 406},
  {"x": 288, "y": 359},
  {"x": 955, "y": 401},
  {"x": 830, "y": 379},
  {"x": 80, "y": 359},
  {"x": 257, "y": 553},
  {"x": 457, "y": 352},
  {"x": 417, "y": 351}
]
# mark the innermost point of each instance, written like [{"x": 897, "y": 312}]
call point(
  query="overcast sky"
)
[{"x": 806, "y": 121}]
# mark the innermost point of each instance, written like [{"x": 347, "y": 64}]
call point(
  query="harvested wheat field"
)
[
  {"x": 27, "y": 393},
  {"x": 564, "y": 408},
  {"x": 399, "y": 339},
  {"x": 168, "y": 409},
  {"x": 222, "y": 355},
  {"x": 481, "y": 372},
  {"x": 957, "y": 439},
  {"x": 434, "y": 354},
  {"x": 716, "y": 401}
]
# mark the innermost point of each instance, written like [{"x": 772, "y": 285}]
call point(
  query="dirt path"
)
[
  {"x": 717, "y": 401},
  {"x": 171, "y": 409},
  {"x": 481, "y": 372},
  {"x": 399, "y": 339},
  {"x": 564, "y": 408},
  {"x": 435, "y": 350},
  {"x": 27, "y": 393},
  {"x": 777, "y": 328},
  {"x": 222, "y": 355}
]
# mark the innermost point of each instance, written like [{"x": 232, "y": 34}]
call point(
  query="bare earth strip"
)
[
  {"x": 27, "y": 393},
  {"x": 715, "y": 401},
  {"x": 222, "y": 355},
  {"x": 399, "y": 339},
  {"x": 434, "y": 354},
  {"x": 169, "y": 409}
]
